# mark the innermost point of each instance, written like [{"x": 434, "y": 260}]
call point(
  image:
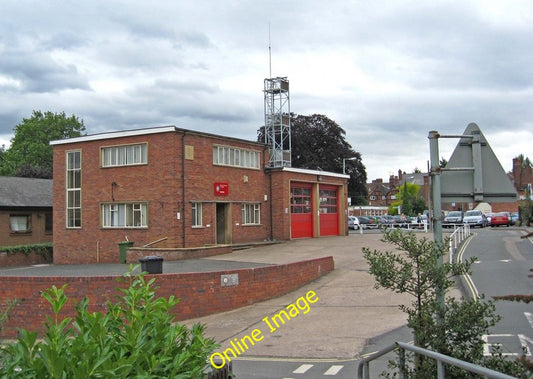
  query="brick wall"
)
[
  {"x": 21, "y": 259},
  {"x": 200, "y": 293}
]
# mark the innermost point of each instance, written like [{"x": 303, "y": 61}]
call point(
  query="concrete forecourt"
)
[{"x": 332, "y": 317}]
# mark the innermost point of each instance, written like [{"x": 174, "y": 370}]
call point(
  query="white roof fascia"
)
[
  {"x": 118, "y": 134},
  {"x": 315, "y": 172}
]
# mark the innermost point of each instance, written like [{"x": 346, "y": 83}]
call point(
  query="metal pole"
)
[{"x": 436, "y": 200}]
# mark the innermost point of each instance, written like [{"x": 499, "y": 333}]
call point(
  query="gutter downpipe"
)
[{"x": 183, "y": 189}]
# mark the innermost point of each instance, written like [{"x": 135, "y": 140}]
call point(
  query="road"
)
[{"x": 502, "y": 267}]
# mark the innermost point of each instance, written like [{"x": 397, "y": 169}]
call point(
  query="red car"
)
[{"x": 501, "y": 218}]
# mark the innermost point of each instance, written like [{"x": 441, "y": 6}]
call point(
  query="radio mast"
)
[{"x": 277, "y": 117}]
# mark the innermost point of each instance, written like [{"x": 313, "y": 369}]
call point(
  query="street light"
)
[{"x": 344, "y": 163}]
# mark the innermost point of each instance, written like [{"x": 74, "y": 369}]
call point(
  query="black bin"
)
[{"x": 152, "y": 264}]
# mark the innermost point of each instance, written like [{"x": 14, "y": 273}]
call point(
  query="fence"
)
[
  {"x": 457, "y": 237},
  {"x": 363, "y": 370}
]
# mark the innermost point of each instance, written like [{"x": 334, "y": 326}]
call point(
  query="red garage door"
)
[
  {"x": 301, "y": 210},
  {"x": 329, "y": 216}
]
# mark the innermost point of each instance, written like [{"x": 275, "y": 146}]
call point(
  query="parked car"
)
[
  {"x": 453, "y": 218},
  {"x": 353, "y": 222},
  {"x": 367, "y": 222},
  {"x": 501, "y": 218},
  {"x": 515, "y": 218},
  {"x": 475, "y": 218}
]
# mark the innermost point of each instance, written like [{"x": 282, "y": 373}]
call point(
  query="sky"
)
[{"x": 385, "y": 71}]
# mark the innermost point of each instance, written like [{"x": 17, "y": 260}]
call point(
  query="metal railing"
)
[
  {"x": 363, "y": 370},
  {"x": 457, "y": 237}
]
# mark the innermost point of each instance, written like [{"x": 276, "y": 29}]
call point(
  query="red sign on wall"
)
[{"x": 221, "y": 189}]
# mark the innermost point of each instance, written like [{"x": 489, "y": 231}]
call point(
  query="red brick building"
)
[
  {"x": 25, "y": 211},
  {"x": 522, "y": 177},
  {"x": 178, "y": 188},
  {"x": 383, "y": 194}
]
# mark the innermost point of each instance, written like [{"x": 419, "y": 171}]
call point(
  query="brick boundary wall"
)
[
  {"x": 21, "y": 259},
  {"x": 200, "y": 293}
]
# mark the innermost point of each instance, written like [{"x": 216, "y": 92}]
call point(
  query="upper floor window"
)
[
  {"x": 231, "y": 156},
  {"x": 125, "y": 155},
  {"x": 73, "y": 189}
]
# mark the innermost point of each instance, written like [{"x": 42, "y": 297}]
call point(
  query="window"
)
[
  {"x": 372, "y": 197},
  {"x": 230, "y": 156},
  {"x": 48, "y": 222},
  {"x": 124, "y": 215},
  {"x": 20, "y": 223},
  {"x": 251, "y": 214},
  {"x": 197, "y": 214},
  {"x": 301, "y": 200},
  {"x": 328, "y": 201},
  {"x": 73, "y": 189},
  {"x": 126, "y": 155}
]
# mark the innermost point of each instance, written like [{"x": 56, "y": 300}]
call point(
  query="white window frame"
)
[
  {"x": 132, "y": 215},
  {"x": 124, "y": 155},
  {"x": 251, "y": 214},
  {"x": 236, "y": 157},
  {"x": 372, "y": 197},
  {"x": 197, "y": 215},
  {"x": 73, "y": 189}
]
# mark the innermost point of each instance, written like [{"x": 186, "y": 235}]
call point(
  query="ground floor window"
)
[
  {"x": 251, "y": 214},
  {"x": 20, "y": 223},
  {"x": 124, "y": 215},
  {"x": 197, "y": 214}
]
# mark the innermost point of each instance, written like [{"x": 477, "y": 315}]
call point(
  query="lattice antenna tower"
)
[{"x": 277, "y": 118}]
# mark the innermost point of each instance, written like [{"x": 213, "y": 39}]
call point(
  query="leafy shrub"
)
[
  {"x": 136, "y": 337},
  {"x": 44, "y": 249}
]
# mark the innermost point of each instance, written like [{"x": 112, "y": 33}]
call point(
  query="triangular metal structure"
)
[{"x": 474, "y": 173}]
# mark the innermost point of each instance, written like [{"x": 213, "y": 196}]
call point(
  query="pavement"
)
[{"x": 348, "y": 313}]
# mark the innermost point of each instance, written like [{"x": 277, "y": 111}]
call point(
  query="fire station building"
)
[{"x": 181, "y": 189}]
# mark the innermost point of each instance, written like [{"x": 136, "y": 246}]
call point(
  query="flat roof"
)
[
  {"x": 315, "y": 172},
  {"x": 115, "y": 134},
  {"x": 144, "y": 131}
]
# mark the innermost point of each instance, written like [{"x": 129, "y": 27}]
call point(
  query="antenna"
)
[{"x": 269, "y": 53}]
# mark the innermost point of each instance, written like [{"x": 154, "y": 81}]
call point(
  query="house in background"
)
[
  {"x": 25, "y": 211},
  {"x": 383, "y": 194},
  {"x": 177, "y": 188}
]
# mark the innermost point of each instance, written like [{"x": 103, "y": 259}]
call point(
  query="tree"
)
[
  {"x": 453, "y": 327},
  {"x": 30, "y": 154},
  {"x": 409, "y": 200},
  {"x": 318, "y": 143}
]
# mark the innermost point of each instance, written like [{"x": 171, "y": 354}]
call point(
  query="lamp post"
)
[{"x": 344, "y": 163}]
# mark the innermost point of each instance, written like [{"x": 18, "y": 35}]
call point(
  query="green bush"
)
[
  {"x": 135, "y": 337},
  {"x": 44, "y": 249}
]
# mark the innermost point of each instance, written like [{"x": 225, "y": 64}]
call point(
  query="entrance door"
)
[
  {"x": 329, "y": 211},
  {"x": 301, "y": 210},
  {"x": 223, "y": 224}
]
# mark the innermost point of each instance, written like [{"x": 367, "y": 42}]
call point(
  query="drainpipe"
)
[
  {"x": 183, "y": 189},
  {"x": 271, "y": 206}
]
